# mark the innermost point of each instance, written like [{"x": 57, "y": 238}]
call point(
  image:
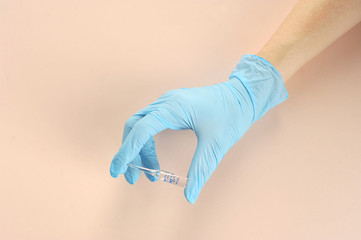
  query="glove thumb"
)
[{"x": 205, "y": 161}]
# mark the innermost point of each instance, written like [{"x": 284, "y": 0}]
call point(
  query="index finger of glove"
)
[{"x": 144, "y": 129}]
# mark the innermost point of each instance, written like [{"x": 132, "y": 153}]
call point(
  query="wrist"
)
[{"x": 280, "y": 52}]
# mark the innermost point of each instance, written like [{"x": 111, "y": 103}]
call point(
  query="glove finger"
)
[
  {"x": 127, "y": 128},
  {"x": 149, "y": 158},
  {"x": 139, "y": 115},
  {"x": 142, "y": 131},
  {"x": 132, "y": 174},
  {"x": 129, "y": 125},
  {"x": 205, "y": 161}
]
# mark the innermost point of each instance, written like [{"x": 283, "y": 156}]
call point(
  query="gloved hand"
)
[{"x": 219, "y": 115}]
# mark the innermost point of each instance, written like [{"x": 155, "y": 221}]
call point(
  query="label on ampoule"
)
[{"x": 170, "y": 178}]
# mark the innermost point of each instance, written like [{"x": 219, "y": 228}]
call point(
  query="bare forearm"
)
[{"x": 310, "y": 27}]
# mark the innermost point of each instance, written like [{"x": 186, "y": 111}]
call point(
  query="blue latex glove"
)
[{"x": 219, "y": 115}]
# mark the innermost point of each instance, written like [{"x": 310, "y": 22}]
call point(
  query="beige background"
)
[{"x": 72, "y": 72}]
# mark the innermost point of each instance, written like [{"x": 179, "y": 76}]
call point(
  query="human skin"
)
[{"x": 310, "y": 27}]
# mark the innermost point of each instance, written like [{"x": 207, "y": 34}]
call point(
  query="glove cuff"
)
[{"x": 262, "y": 81}]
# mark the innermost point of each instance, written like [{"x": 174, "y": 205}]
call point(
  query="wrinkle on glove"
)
[{"x": 262, "y": 81}]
